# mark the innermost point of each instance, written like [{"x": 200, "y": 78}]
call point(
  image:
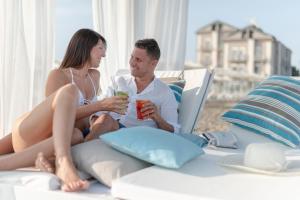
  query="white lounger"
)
[
  {"x": 21, "y": 192},
  {"x": 204, "y": 179},
  {"x": 15, "y": 185}
]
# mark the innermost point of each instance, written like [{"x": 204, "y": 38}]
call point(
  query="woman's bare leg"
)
[
  {"x": 37, "y": 125},
  {"x": 28, "y": 156},
  {"x": 47, "y": 163},
  {"x": 63, "y": 124},
  {"x": 6, "y": 145}
]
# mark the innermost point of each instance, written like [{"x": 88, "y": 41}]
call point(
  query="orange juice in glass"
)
[{"x": 139, "y": 105}]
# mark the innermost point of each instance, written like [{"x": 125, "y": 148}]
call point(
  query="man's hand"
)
[{"x": 150, "y": 111}]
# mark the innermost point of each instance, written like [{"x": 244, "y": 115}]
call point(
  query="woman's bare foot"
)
[
  {"x": 43, "y": 164},
  {"x": 66, "y": 171}
]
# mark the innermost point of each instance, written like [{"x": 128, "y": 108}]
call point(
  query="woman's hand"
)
[{"x": 116, "y": 104}]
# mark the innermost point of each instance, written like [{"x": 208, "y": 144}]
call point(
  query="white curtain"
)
[
  {"x": 123, "y": 22},
  {"x": 26, "y": 56}
]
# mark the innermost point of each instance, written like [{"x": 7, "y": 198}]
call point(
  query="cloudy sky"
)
[{"x": 276, "y": 17}]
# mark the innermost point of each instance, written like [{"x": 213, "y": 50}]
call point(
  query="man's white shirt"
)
[{"x": 157, "y": 92}]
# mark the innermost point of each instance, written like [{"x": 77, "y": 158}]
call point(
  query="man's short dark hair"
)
[{"x": 151, "y": 47}]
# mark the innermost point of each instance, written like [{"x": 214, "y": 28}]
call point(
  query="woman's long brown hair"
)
[{"x": 79, "y": 48}]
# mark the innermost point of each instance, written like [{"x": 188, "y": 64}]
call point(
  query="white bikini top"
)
[{"x": 82, "y": 100}]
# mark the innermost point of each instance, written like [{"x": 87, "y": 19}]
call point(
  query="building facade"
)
[
  {"x": 241, "y": 57},
  {"x": 249, "y": 50}
]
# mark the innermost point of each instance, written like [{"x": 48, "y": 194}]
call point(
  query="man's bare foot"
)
[
  {"x": 66, "y": 171},
  {"x": 43, "y": 164}
]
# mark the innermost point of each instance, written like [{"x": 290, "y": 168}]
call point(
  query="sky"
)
[
  {"x": 276, "y": 17},
  {"x": 70, "y": 15}
]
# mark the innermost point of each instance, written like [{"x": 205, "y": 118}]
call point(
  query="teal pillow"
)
[
  {"x": 272, "y": 110},
  {"x": 153, "y": 145},
  {"x": 177, "y": 88}
]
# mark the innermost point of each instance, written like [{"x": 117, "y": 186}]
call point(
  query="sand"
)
[{"x": 210, "y": 119}]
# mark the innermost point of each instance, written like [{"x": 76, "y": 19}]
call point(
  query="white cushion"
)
[
  {"x": 33, "y": 179},
  {"x": 193, "y": 98},
  {"x": 246, "y": 137},
  {"x": 103, "y": 162},
  {"x": 96, "y": 191},
  {"x": 203, "y": 178}
]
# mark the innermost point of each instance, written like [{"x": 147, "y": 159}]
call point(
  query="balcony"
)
[
  {"x": 260, "y": 59},
  {"x": 206, "y": 48},
  {"x": 241, "y": 59},
  {"x": 206, "y": 63}
]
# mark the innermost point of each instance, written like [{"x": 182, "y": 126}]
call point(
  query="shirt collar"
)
[{"x": 148, "y": 89}]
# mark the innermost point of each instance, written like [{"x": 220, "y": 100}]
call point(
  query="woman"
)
[{"x": 56, "y": 123}]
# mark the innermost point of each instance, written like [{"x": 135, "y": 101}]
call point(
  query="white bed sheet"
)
[
  {"x": 17, "y": 192},
  {"x": 203, "y": 179}
]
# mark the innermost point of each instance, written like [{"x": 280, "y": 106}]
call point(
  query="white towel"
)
[{"x": 221, "y": 139}]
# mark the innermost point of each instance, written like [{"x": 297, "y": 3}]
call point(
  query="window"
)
[
  {"x": 258, "y": 51},
  {"x": 206, "y": 44},
  {"x": 257, "y": 68},
  {"x": 206, "y": 60},
  {"x": 238, "y": 53},
  {"x": 238, "y": 67}
]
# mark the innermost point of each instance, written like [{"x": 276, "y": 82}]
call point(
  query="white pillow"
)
[
  {"x": 246, "y": 137},
  {"x": 103, "y": 162}
]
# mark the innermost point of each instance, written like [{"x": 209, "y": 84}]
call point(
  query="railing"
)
[
  {"x": 231, "y": 87},
  {"x": 260, "y": 59},
  {"x": 240, "y": 59},
  {"x": 206, "y": 48}
]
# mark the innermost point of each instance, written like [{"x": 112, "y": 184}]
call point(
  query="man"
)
[{"x": 160, "y": 108}]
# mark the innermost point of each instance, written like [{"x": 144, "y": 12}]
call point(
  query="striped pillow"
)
[
  {"x": 177, "y": 88},
  {"x": 272, "y": 109}
]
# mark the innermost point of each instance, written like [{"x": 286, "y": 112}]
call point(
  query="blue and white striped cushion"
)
[
  {"x": 272, "y": 109},
  {"x": 177, "y": 88}
]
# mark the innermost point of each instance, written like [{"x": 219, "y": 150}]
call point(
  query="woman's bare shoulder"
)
[
  {"x": 58, "y": 74},
  {"x": 57, "y": 71},
  {"x": 56, "y": 79}
]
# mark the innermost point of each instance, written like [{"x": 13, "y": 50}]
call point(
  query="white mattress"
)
[
  {"x": 202, "y": 178},
  {"x": 19, "y": 192}
]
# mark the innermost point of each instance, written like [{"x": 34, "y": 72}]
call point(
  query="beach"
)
[{"x": 210, "y": 119}]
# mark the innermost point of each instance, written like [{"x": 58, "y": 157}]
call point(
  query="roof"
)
[
  {"x": 251, "y": 31},
  {"x": 217, "y": 23}
]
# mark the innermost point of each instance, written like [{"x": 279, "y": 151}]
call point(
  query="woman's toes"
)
[
  {"x": 43, "y": 164},
  {"x": 75, "y": 186}
]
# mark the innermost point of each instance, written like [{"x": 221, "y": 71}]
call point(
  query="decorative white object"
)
[{"x": 265, "y": 156}]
